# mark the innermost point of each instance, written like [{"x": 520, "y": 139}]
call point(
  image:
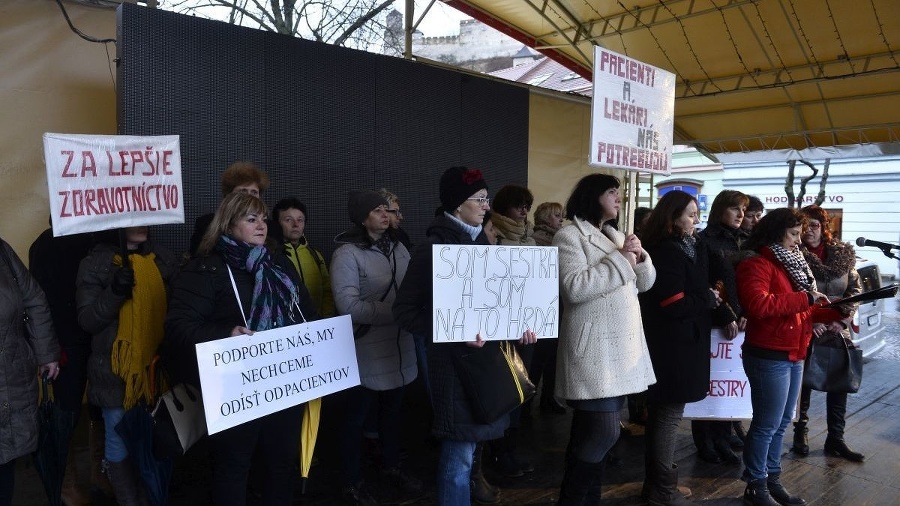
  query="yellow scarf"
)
[{"x": 140, "y": 331}]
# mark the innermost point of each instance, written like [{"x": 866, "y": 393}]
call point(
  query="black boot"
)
[
  {"x": 781, "y": 496},
  {"x": 703, "y": 441},
  {"x": 737, "y": 437},
  {"x": 507, "y": 458},
  {"x": 757, "y": 494},
  {"x": 482, "y": 492},
  {"x": 723, "y": 449},
  {"x": 579, "y": 480},
  {"x": 838, "y": 448},
  {"x": 801, "y": 439}
]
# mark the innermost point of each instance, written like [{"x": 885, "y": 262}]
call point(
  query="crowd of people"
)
[{"x": 636, "y": 316}]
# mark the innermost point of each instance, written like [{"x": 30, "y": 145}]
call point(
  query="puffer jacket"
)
[
  {"x": 20, "y": 355},
  {"x": 453, "y": 417},
  {"x": 779, "y": 318},
  {"x": 602, "y": 350},
  {"x": 365, "y": 283},
  {"x": 98, "y": 313}
]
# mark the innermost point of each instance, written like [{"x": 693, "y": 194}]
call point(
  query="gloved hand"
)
[{"x": 123, "y": 282}]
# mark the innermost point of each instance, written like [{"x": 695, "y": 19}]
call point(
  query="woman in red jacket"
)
[{"x": 778, "y": 293}]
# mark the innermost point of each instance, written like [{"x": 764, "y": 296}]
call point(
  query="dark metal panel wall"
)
[{"x": 320, "y": 120}]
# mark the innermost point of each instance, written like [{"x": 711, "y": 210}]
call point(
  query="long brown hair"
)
[{"x": 661, "y": 224}]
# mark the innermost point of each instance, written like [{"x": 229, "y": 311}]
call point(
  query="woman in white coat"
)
[{"x": 602, "y": 354}]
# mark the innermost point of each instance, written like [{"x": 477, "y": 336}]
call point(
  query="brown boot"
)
[
  {"x": 72, "y": 495},
  {"x": 125, "y": 483},
  {"x": 101, "y": 490}
]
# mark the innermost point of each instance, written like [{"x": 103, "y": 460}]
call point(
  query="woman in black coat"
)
[
  {"x": 204, "y": 308},
  {"x": 464, "y": 201},
  {"x": 677, "y": 322}
]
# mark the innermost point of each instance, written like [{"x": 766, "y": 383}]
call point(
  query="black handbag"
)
[
  {"x": 494, "y": 380},
  {"x": 833, "y": 365}
]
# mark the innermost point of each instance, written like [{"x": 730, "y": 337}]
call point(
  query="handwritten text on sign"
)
[
  {"x": 246, "y": 377},
  {"x": 102, "y": 182},
  {"x": 632, "y": 114},
  {"x": 729, "y": 390},
  {"x": 496, "y": 291}
]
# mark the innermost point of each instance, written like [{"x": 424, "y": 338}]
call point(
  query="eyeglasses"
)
[
  {"x": 395, "y": 212},
  {"x": 481, "y": 200},
  {"x": 524, "y": 207},
  {"x": 814, "y": 226}
]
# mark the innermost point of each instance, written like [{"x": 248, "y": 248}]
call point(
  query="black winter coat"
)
[
  {"x": 412, "y": 311},
  {"x": 677, "y": 323},
  {"x": 203, "y": 308},
  {"x": 723, "y": 245}
]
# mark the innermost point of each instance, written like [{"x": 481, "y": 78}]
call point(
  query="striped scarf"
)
[
  {"x": 274, "y": 293},
  {"x": 798, "y": 270},
  {"x": 140, "y": 331}
]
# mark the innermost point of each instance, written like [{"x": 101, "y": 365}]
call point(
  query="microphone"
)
[{"x": 862, "y": 242}]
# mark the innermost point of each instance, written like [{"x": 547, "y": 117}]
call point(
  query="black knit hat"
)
[
  {"x": 458, "y": 184},
  {"x": 361, "y": 202}
]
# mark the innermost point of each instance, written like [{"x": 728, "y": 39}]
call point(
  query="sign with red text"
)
[
  {"x": 498, "y": 292},
  {"x": 246, "y": 377},
  {"x": 632, "y": 114},
  {"x": 729, "y": 390},
  {"x": 103, "y": 182}
]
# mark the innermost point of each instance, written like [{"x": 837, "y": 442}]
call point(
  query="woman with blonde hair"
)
[{"x": 235, "y": 286}]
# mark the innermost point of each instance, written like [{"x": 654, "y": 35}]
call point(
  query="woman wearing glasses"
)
[
  {"x": 464, "y": 202},
  {"x": 833, "y": 264}
]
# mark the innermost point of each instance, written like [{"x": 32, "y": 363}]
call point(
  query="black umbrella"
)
[
  {"x": 56, "y": 425},
  {"x": 136, "y": 429}
]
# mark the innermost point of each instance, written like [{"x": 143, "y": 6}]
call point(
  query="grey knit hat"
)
[{"x": 361, "y": 202}]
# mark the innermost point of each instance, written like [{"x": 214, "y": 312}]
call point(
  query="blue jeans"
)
[
  {"x": 774, "y": 389},
  {"x": 454, "y": 468},
  {"x": 115, "y": 451}
]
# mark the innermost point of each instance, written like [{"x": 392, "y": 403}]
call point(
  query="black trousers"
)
[
  {"x": 277, "y": 438},
  {"x": 835, "y": 411}
]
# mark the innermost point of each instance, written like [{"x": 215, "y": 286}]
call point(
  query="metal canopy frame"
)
[{"x": 751, "y": 74}]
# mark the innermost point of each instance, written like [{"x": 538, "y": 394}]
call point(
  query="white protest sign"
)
[
  {"x": 632, "y": 114},
  {"x": 246, "y": 377},
  {"x": 102, "y": 182},
  {"x": 729, "y": 390},
  {"x": 496, "y": 291}
]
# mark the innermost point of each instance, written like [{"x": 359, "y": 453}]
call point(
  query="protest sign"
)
[
  {"x": 496, "y": 291},
  {"x": 729, "y": 390},
  {"x": 632, "y": 114},
  {"x": 103, "y": 182},
  {"x": 246, "y": 377}
]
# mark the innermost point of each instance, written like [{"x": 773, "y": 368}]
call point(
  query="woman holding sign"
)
[
  {"x": 235, "y": 286},
  {"x": 602, "y": 355},
  {"x": 464, "y": 202}
]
